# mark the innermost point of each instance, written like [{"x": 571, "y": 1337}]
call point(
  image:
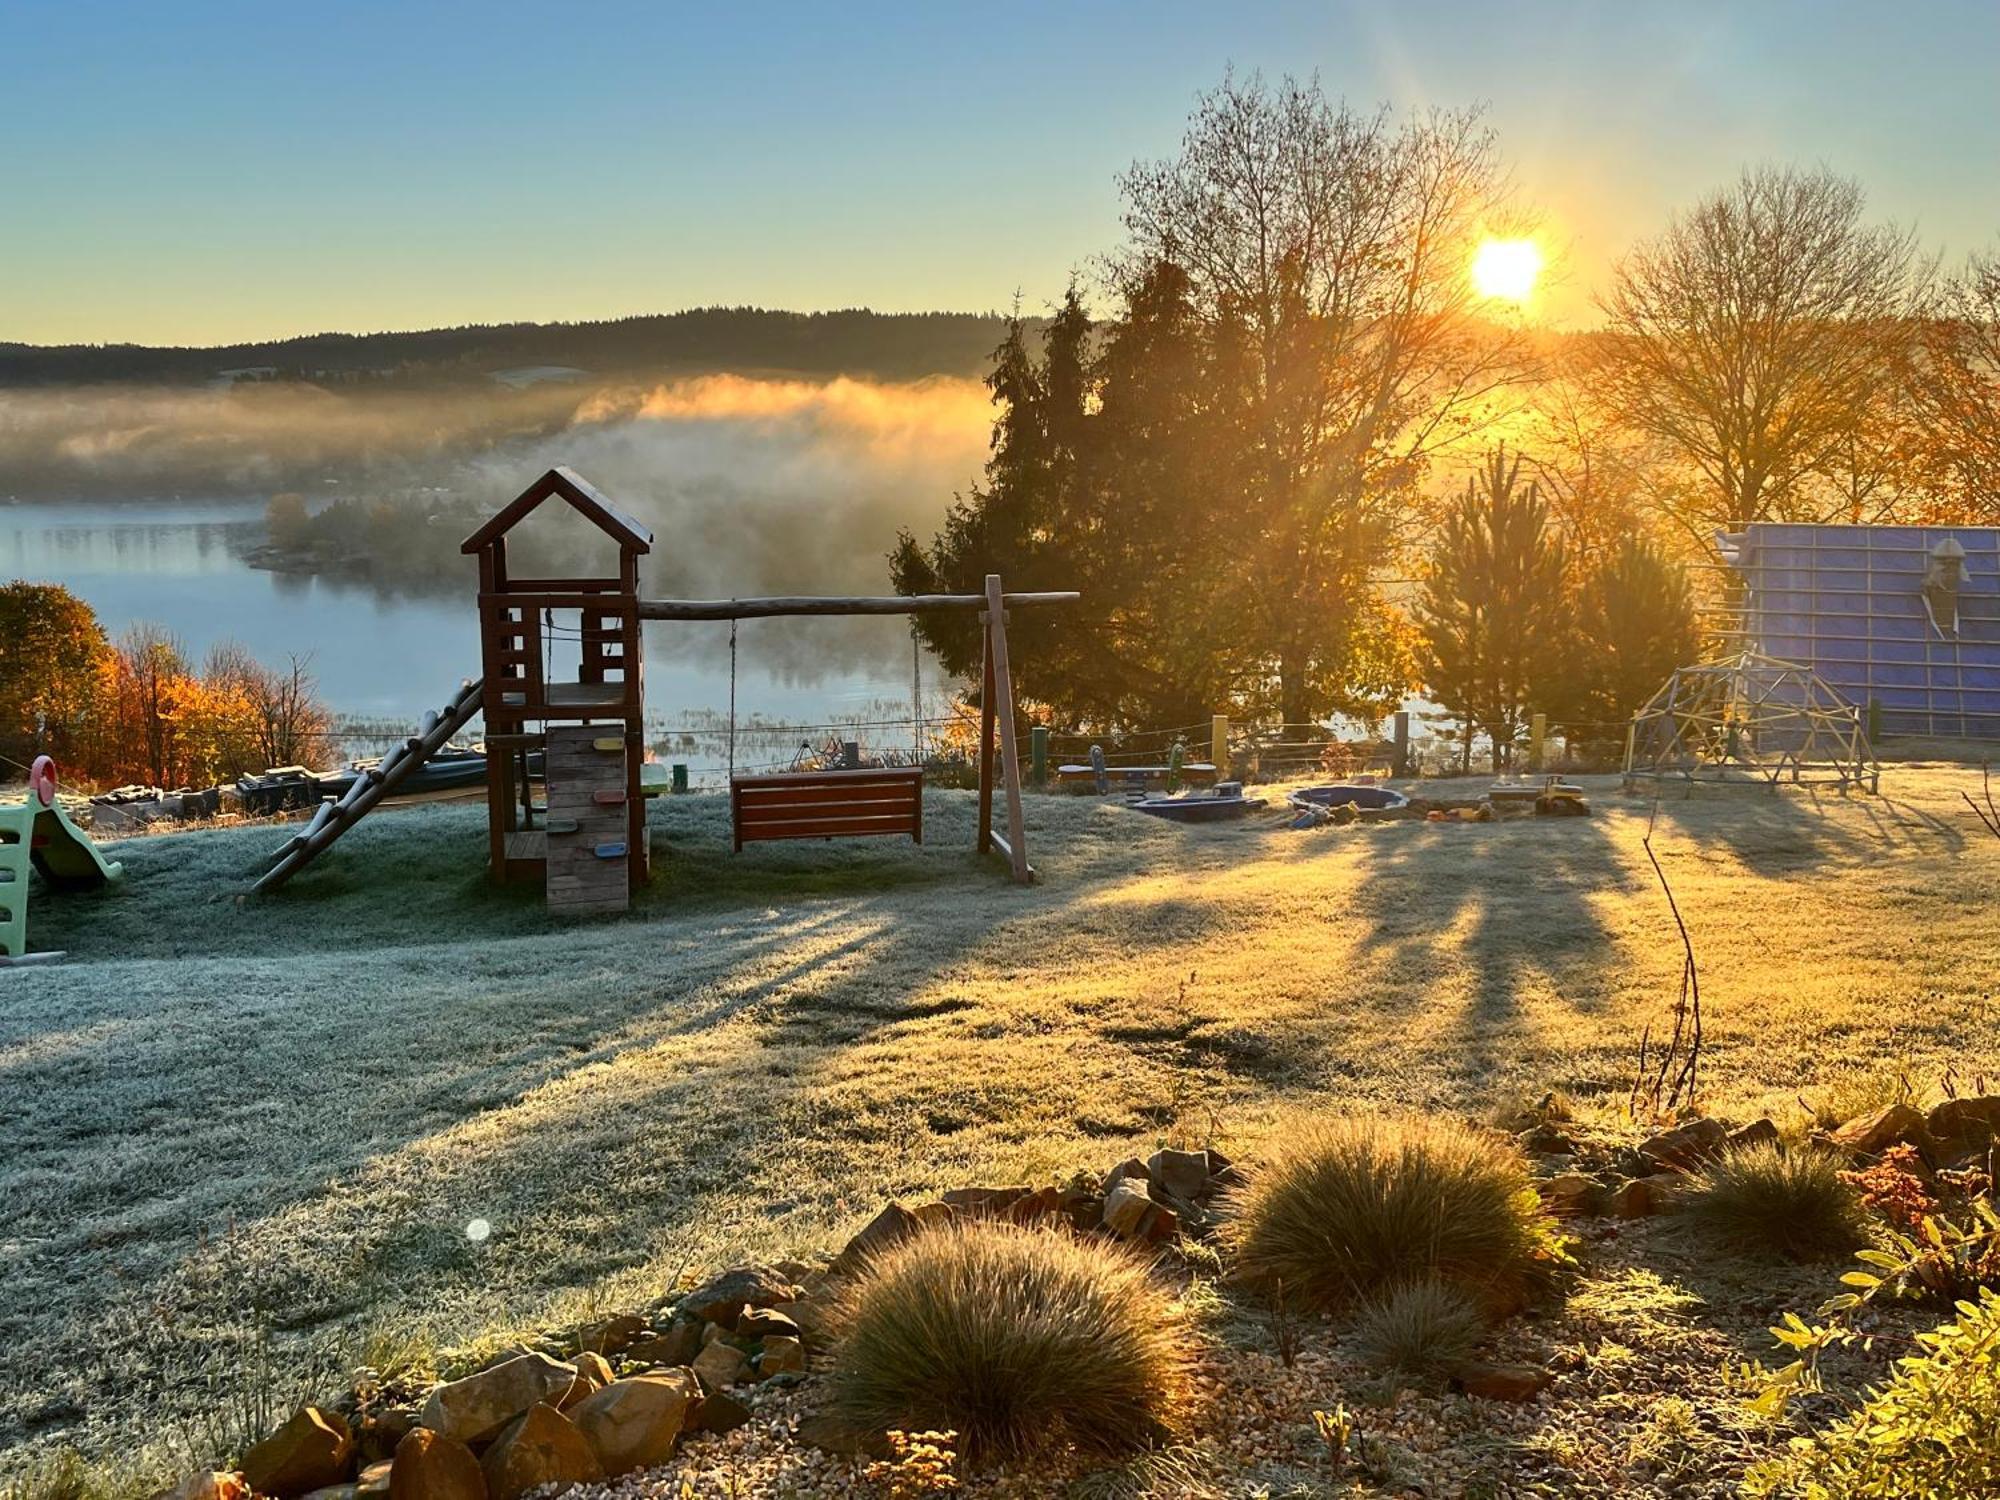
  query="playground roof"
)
[{"x": 582, "y": 497}]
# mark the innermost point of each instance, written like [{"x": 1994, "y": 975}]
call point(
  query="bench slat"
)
[{"x": 828, "y": 804}]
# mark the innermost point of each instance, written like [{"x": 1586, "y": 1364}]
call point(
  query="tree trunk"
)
[{"x": 1293, "y": 703}]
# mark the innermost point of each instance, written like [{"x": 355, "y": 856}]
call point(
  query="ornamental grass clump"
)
[
  {"x": 1350, "y": 1208},
  {"x": 1766, "y": 1200},
  {"x": 1420, "y": 1331},
  {"x": 1012, "y": 1338}
]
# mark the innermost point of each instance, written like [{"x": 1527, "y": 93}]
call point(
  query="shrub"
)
[
  {"x": 1420, "y": 1330},
  {"x": 1349, "y": 1208},
  {"x": 1010, "y": 1337},
  {"x": 1932, "y": 1433},
  {"x": 1768, "y": 1200}
]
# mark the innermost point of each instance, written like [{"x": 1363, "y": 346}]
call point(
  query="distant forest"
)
[{"x": 887, "y": 346}]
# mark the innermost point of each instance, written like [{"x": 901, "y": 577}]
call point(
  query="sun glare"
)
[{"x": 1506, "y": 269}]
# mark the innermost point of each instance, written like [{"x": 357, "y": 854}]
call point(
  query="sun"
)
[{"x": 1506, "y": 269}]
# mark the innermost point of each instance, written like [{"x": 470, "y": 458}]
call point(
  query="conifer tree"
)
[{"x": 1492, "y": 615}]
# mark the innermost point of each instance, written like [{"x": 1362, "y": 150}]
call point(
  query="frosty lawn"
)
[{"x": 287, "y": 1112}]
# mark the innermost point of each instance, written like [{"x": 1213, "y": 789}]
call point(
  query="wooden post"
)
[
  {"x": 1038, "y": 755},
  {"x": 1218, "y": 745},
  {"x": 1538, "y": 730},
  {"x": 986, "y": 720},
  {"x": 1010, "y": 751},
  {"x": 1402, "y": 732}
]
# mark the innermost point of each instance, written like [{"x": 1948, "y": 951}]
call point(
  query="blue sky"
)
[{"x": 194, "y": 172}]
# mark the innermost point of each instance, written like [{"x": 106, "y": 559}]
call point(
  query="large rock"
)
[
  {"x": 1762, "y": 1132},
  {"x": 1871, "y": 1134},
  {"x": 1131, "y": 1213},
  {"x": 1960, "y": 1126},
  {"x": 891, "y": 1226},
  {"x": 1182, "y": 1173},
  {"x": 372, "y": 1483},
  {"x": 539, "y": 1447},
  {"x": 1502, "y": 1382},
  {"x": 766, "y": 1323},
  {"x": 593, "y": 1373},
  {"x": 721, "y": 1365},
  {"x": 611, "y": 1335},
  {"x": 632, "y": 1424},
  {"x": 431, "y": 1466},
  {"x": 478, "y": 1406},
  {"x": 1686, "y": 1147},
  {"x": 718, "y": 1412},
  {"x": 985, "y": 1203},
  {"x": 721, "y": 1298},
  {"x": 1572, "y": 1195},
  {"x": 312, "y": 1450},
  {"x": 780, "y": 1356},
  {"x": 680, "y": 1343},
  {"x": 381, "y": 1430}
]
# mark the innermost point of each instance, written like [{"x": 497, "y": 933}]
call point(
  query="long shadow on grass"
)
[
  {"x": 1786, "y": 830},
  {"x": 352, "y": 1096}
]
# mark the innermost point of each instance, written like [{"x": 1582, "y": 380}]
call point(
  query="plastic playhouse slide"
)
[{"x": 37, "y": 832}]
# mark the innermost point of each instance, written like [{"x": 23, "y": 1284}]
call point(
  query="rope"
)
[{"x": 732, "y": 699}]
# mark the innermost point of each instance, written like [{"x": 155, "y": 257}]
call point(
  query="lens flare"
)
[{"x": 1506, "y": 269}]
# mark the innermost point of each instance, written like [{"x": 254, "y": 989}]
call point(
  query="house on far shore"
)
[{"x": 1902, "y": 621}]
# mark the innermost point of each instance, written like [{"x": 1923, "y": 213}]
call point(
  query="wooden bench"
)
[{"x": 827, "y": 804}]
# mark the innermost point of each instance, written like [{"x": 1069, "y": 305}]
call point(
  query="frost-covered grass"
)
[{"x": 219, "y": 1113}]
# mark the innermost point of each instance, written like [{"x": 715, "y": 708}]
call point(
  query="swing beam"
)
[
  {"x": 996, "y": 709},
  {"x": 811, "y": 604}
]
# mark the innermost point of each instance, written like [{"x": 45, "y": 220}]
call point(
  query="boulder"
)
[
  {"x": 612, "y": 1335},
  {"x": 765, "y": 1323},
  {"x": 478, "y": 1406},
  {"x": 1131, "y": 1213},
  {"x": 1642, "y": 1197},
  {"x": 1184, "y": 1174},
  {"x": 633, "y": 1424},
  {"x": 593, "y": 1373},
  {"x": 380, "y": 1431},
  {"x": 1043, "y": 1203},
  {"x": 1573, "y": 1195},
  {"x": 1131, "y": 1168},
  {"x": 680, "y": 1343},
  {"x": 721, "y": 1298},
  {"x": 348, "y": 1491},
  {"x": 1547, "y": 1140},
  {"x": 1960, "y": 1126},
  {"x": 988, "y": 1202},
  {"x": 1762, "y": 1132},
  {"x": 891, "y": 1226},
  {"x": 814, "y": 1316},
  {"x": 372, "y": 1483},
  {"x": 1501, "y": 1382},
  {"x": 718, "y": 1412},
  {"x": 1870, "y": 1134},
  {"x": 721, "y": 1365},
  {"x": 539, "y": 1447},
  {"x": 780, "y": 1355},
  {"x": 431, "y": 1466},
  {"x": 312, "y": 1450},
  {"x": 1686, "y": 1147}
]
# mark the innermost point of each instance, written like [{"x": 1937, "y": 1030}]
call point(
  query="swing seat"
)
[{"x": 828, "y": 804}]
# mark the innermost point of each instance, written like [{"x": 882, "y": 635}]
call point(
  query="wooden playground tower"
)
[
  {"x": 590, "y": 845},
  {"x": 591, "y": 730}
]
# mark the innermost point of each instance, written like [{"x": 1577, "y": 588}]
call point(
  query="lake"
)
[{"x": 178, "y": 564}]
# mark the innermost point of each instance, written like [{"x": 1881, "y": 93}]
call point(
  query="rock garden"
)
[{"x": 1381, "y": 1304}]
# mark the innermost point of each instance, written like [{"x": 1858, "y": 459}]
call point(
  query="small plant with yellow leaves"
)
[
  {"x": 1336, "y": 1431},
  {"x": 919, "y": 1463}
]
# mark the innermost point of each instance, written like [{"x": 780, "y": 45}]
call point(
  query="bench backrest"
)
[{"x": 828, "y": 804}]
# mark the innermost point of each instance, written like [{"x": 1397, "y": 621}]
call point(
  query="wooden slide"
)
[{"x": 335, "y": 818}]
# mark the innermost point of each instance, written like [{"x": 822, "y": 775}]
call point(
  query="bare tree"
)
[
  {"x": 1333, "y": 248},
  {"x": 287, "y": 722},
  {"x": 1957, "y": 391},
  {"x": 1750, "y": 335}
]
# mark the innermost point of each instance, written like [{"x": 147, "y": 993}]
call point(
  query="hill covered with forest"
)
[{"x": 856, "y": 341}]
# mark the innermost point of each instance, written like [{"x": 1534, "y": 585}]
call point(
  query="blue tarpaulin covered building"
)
[{"x": 1903, "y": 621}]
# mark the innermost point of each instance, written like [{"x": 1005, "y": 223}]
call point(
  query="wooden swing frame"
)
[{"x": 996, "y": 698}]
